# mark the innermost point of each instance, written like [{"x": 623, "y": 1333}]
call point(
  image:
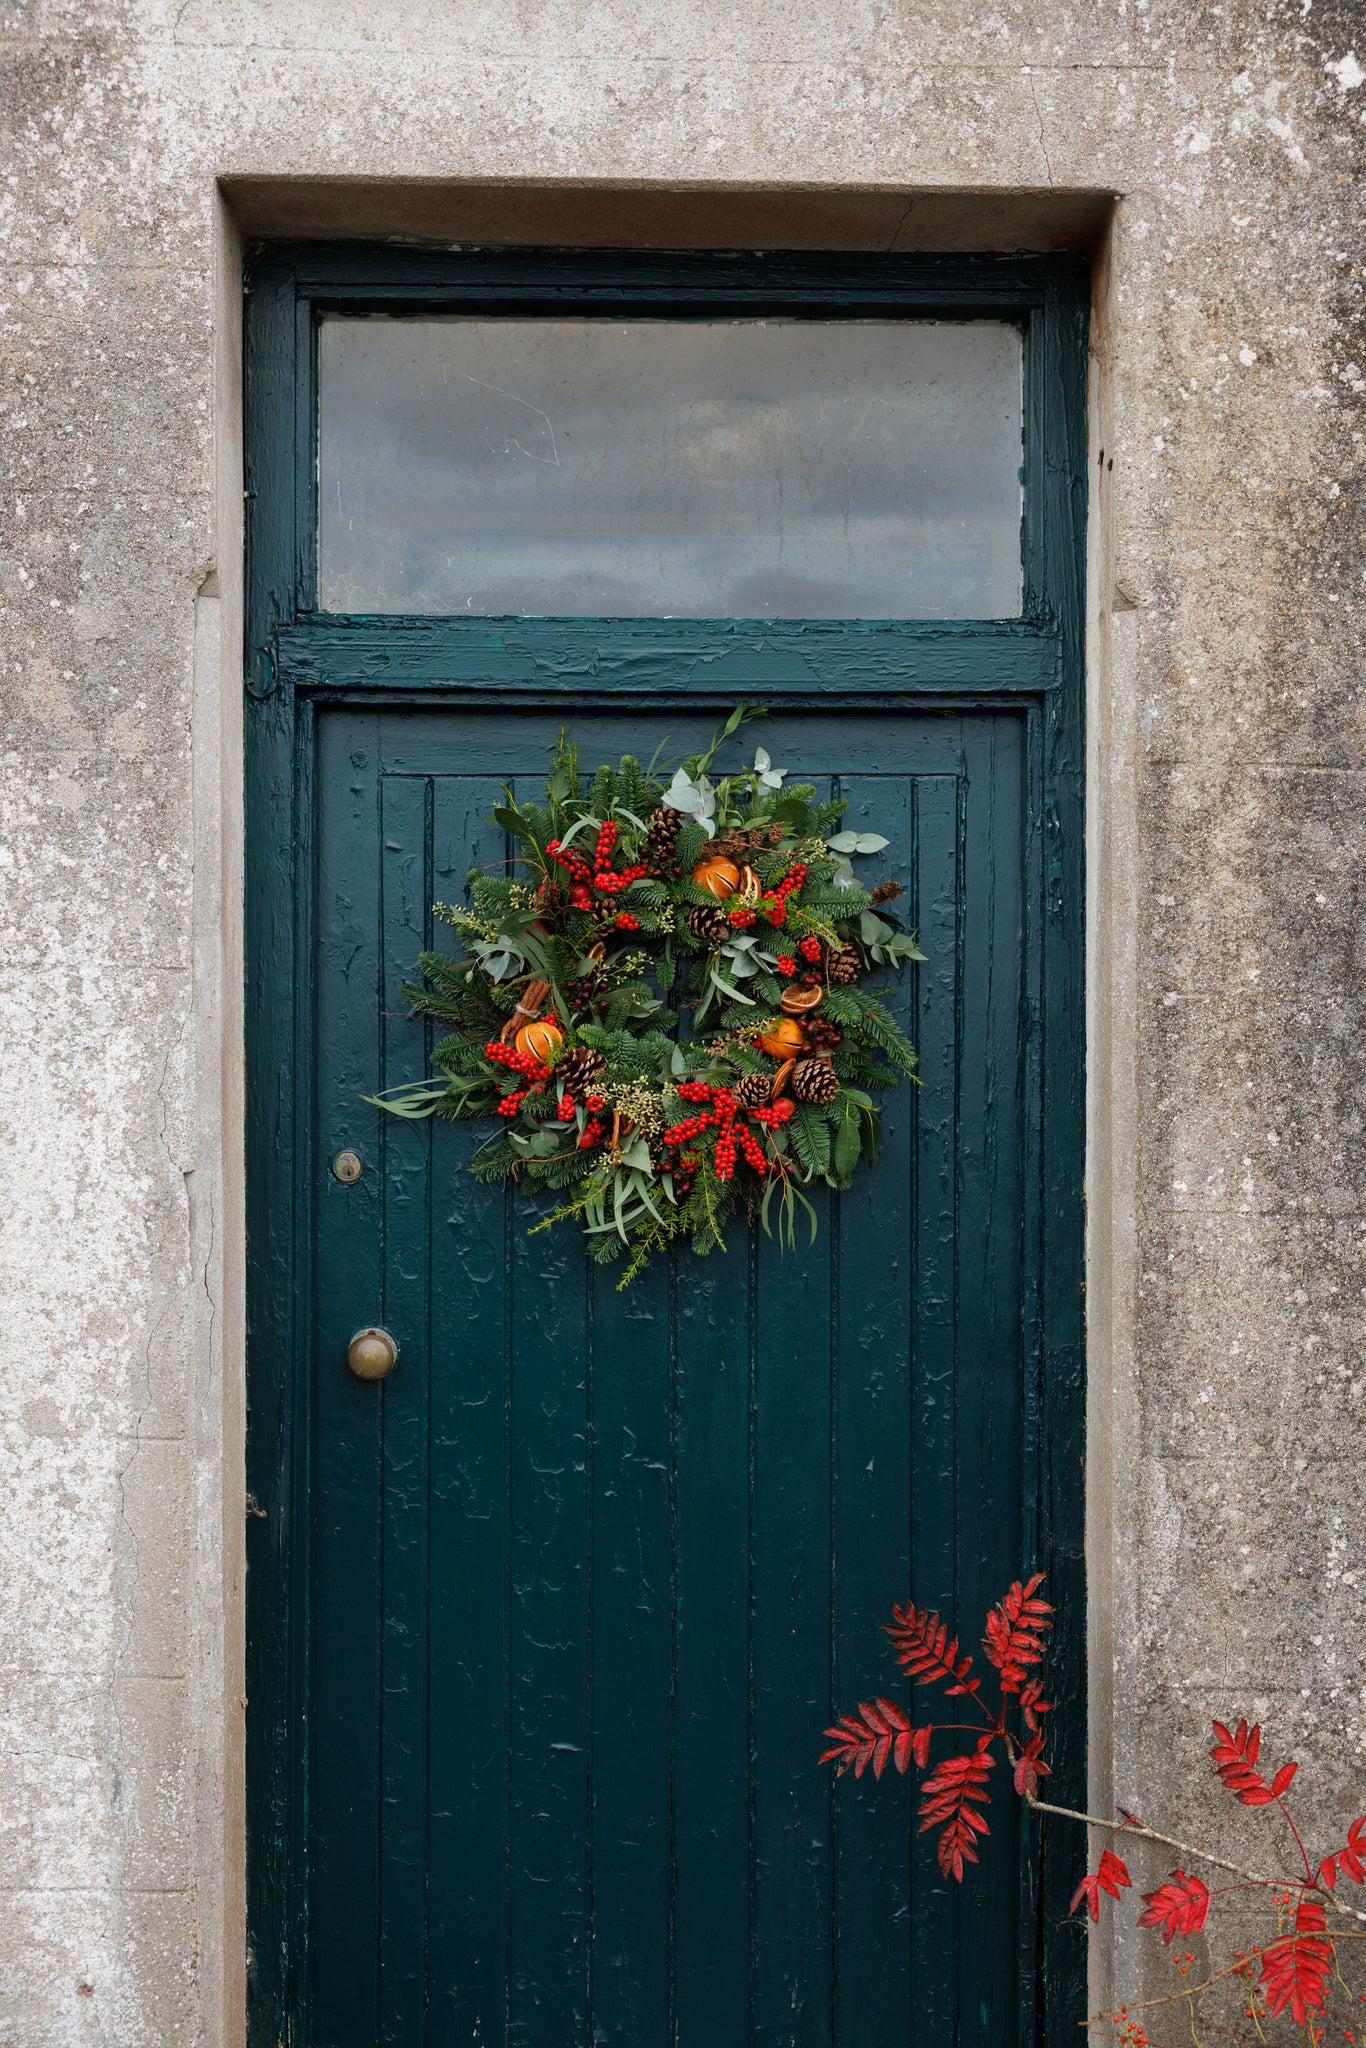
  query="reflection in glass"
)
[{"x": 670, "y": 468}]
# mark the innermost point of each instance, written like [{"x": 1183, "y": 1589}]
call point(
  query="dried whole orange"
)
[
  {"x": 540, "y": 1039},
  {"x": 785, "y": 1039},
  {"x": 717, "y": 875}
]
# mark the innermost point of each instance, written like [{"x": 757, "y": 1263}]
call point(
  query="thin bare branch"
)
[
  {"x": 1104, "y": 2019},
  {"x": 1129, "y": 1826}
]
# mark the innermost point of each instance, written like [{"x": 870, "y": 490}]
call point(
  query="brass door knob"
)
[{"x": 371, "y": 1354}]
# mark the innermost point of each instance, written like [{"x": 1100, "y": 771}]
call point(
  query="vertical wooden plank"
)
[
  {"x": 550, "y": 1622},
  {"x": 989, "y": 1418},
  {"x": 794, "y": 1331},
  {"x": 937, "y": 912},
  {"x": 346, "y": 1588},
  {"x": 468, "y": 1541},
  {"x": 712, "y": 1927},
  {"x": 797, "y": 1305},
  {"x": 633, "y": 1641},
  {"x": 874, "y": 1446},
  {"x": 406, "y": 889}
]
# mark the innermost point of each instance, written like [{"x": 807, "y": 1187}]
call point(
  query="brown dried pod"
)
[
  {"x": 814, "y": 1081},
  {"x": 887, "y": 892},
  {"x": 708, "y": 924},
  {"x": 748, "y": 891},
  {"x": 781, "y": 1079},
  {"x": 843, "y": 967},
  {"x": 798, "y": 1001}
]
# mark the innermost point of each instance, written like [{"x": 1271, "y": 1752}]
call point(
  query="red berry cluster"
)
[
  {"x": 786, "y": 964},
  {"x": 525, "y": 1063},
  {"x": 810, "y": 949},
  {"x": 626, "y": 922},
  {"x": 534, "y": 1072},
  {"x": 598, "y": 875},
  {"x": 774, "y": 906},
  {"x": 592, "y": 1130},
  {"x": 727, "y": 1116}
]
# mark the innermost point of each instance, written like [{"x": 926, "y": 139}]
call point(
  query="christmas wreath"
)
[{"x": 735, "y": 901}]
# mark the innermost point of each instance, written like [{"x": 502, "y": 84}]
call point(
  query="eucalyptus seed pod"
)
[
  {"x": 814, "y": 1081},
  {"x": 579, "y": 1065},
  {"x": 843, "y": 967},
  {"x": 708, "y": 924},
  {"x": 754, "y": 1090}
]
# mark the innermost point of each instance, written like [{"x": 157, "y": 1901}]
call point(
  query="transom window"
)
[{"x": 794, "y": 467}]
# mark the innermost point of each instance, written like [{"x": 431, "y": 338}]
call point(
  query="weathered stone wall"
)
[{"x": 1228, "y": 819}]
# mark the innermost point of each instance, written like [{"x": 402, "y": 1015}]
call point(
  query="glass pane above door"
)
[{"x": 650, "y": 468}]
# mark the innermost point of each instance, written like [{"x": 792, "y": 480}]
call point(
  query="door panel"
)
[{"x": 589, "y": 1572}]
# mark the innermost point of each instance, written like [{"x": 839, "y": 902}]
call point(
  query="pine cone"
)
[
  {"x": 708, "y": 924},
  {"x": 663, "y": 829},
  {"x": 754, "y": 1090},
  {"x": 579, "y": 1065},
  {"x": 887, "y": 892},
  {"x": 814, "y": 1081},
  {"x": 843, "y": 967}
]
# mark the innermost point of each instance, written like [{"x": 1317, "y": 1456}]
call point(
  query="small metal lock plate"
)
[{"x": 348, "y": 1166}]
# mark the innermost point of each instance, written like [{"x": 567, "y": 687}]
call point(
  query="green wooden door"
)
[{"x": 546, "y": 1627}]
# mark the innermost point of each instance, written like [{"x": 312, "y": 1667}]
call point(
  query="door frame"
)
[{"x": 298, "y": 659}]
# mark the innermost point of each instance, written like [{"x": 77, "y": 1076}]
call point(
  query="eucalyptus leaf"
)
[
  {"x": 848, "y": 1145},
  {"x": 728, "y": 988},
  {"x": 514, "y": 822}
]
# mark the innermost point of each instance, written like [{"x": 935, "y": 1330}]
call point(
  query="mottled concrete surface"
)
[{"x": 1228, "y": 823}]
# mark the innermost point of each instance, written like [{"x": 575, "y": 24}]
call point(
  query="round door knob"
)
[{"x": 371, "y": 1354}]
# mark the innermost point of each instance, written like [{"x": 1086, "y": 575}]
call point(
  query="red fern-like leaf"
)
[
  {"x": 1112, "y": 1878},
  {"x": 1351, "y": 1857},
  {"x": 1015, "y": 1630},
  {"x": 1178, "y": 1907},
  {"x": 1030, "y": 1768},
  {"x": 1295, "y": 1970},
  {"x": 1033, "y": 1704},
  {"x": 952, "y": 1792},
  {"x": 1235, "y": 1756},
  {"x": 880, "y": 1729},
  {"x": 924, "y": 1649}
]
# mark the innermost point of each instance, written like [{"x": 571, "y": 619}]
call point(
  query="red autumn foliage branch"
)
[{"x": 1293, "y": 1972}]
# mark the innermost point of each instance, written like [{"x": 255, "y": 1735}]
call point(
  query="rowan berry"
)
[
  {"x": 786, "y": 964},
  {"x": 810, "y": 948}
]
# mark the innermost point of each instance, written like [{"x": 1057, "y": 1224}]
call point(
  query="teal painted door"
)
[
  {"x": 590, "y": 1569},
  {"x": 543, "y": 1631}
]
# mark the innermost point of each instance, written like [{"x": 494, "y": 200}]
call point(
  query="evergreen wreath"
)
[{"x": 737, "y": 901}]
